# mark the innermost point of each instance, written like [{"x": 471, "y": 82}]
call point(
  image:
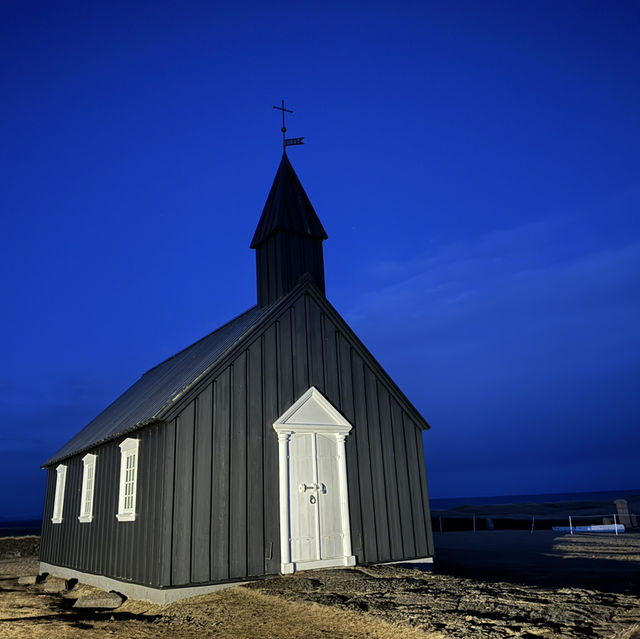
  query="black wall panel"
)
[
  {"x": 220, "y": 459},
  {"x": 202, "y": 484},
  {"x": 270, "y": 451},
  {"x": 238, "y": 474},
  {"x": 415, "y": 458},
  {"x": 255, "y": 473},
  {"x": 182, "y": 496},
  {"x": 282, "y": 259}
]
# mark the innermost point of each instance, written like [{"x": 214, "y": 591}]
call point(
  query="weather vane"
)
[{"x": 285, "y": 140}]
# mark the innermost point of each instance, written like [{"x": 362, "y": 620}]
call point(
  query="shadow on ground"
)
[{"x": 544, "y": 559}]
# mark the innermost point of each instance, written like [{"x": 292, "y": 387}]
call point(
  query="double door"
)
[{"x": 317, "y": 505}]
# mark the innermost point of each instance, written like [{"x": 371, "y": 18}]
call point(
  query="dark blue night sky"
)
[{"x": 475, "y": 164}]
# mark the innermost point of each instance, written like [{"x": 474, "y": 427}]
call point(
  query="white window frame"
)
[
  {"x": 58, "y": 500},
  {"x": 88, "y": 488},
  {"x": 128, "y": 480}
]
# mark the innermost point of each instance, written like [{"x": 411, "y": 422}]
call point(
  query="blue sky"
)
[{"x": 474, "y": 164}]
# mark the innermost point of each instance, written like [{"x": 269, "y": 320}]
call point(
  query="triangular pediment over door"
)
[
  {"x": 314, "y": 507},
  {"x": 313, "y": 409}
]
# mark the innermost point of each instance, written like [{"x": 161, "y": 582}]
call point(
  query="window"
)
[
  {"x": 88, "y": 484},
  {"x": 58, "y": 500},
  {"x": 128, "y": 477}
]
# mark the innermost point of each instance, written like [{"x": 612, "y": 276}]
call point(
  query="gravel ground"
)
[{"x": 489, "y": 585}]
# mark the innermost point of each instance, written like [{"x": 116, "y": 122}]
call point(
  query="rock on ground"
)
[
  {"x": 100, "y": 600},
  {"x": 54, "y": 584}
]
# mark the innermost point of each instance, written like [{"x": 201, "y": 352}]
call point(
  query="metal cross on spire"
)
[{"x": 287, "y": 141}]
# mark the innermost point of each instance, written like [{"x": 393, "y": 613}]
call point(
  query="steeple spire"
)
[{"x": 288, "y": 239}]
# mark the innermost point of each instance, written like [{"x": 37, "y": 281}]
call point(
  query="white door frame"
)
[{"x": 326, "y": 421}]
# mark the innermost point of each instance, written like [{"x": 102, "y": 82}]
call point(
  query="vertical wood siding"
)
[
  {"x": 238, "y": 474},
  {"x": 255, "y": 480},
  {"x": 282, "y": 259},
  {"x": 182, "y": 497},
  {"x": 201, "y": 502},
  {"x": 129, "y": 551},
  {"x": 226, "y": 455},
  {"x": 219, "y": 568},
  {"x": 270, "y": 452}
]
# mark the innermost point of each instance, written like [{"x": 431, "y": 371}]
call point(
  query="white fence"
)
[{"x": 614, "y": 523}]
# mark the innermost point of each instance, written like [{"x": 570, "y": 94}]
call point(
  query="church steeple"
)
[{"x": 288, "y": 240}]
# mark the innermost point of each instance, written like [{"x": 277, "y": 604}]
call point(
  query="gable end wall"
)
[{"x": 222, "y": 506}]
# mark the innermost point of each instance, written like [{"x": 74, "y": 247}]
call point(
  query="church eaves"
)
[{"x": 142, "y": 402}]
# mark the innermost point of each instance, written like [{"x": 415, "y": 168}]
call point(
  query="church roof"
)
[
  {"x": 288, "y": 208},
  {"x": 160, "y": 386}
]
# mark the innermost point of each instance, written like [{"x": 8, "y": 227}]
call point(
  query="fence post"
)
[
  {"x": 615, "y": 523},
  {"x": 440, "y": 518},
  {"x": 622, "y": 507},
  {"x": 570, "y": 526},
  {"x": 533, "y": 519}
]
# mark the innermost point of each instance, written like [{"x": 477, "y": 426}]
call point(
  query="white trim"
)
[
  {"x": 312, "y": 413},
  {"x": 135, "y": 591},
  {"x": 339, "y": 425},
  {"x": 129, "y": 463},
  {"x": 88, "y": 488},
  {"x": 288, "y": 568},
  {"x": 344, "y": 496},
  {"x": 283, "y": 468},
  {"x": 58, "y": 500}
]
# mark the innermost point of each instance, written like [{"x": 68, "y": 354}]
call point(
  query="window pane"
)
[{"x": 128, "y": 473}]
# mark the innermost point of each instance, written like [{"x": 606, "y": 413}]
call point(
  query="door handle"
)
[{"x": 304, "y": 487}]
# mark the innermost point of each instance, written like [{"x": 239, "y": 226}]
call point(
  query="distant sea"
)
[
  {"x": 20, "y": 527},
  {"x": 543, "y": 498}
]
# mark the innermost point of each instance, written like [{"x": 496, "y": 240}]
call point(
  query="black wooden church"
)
[{"x": 276, "y": 443}]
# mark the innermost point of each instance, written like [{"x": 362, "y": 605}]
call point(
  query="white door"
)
[
  {"x": 314, "y": 504},
  {"x": 314, "y": 494},
  {"x": 303, "y": 499}
]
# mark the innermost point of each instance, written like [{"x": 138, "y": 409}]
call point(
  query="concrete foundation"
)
[{"x": 134, "y": 591}]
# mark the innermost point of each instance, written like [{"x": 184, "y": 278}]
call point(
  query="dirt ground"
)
[{"x": 493, "y": 585}]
